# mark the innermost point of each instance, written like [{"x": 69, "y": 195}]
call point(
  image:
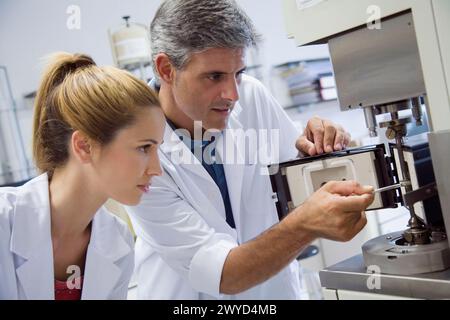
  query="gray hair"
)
[{"x": 183, "y": 27}]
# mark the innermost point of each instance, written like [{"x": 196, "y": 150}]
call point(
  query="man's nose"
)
[{"x": 230, "y": 91}]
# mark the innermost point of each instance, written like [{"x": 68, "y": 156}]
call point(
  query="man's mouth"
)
[{"x": 223, "y": 110}]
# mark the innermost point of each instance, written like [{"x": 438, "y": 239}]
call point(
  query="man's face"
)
[{"x": 206, "y": 89}]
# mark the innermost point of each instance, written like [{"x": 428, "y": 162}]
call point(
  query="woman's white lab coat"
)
[
  {"x": 26, "y": 255},
  {"x": 183, "y": 237}
]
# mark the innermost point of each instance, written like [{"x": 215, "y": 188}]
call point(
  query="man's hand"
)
[
  {"x": 335, "y": 211},
  {"x": 322, "y": 136}
]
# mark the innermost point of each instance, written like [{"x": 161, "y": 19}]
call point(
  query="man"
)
[{"x": 208, "y": 227}]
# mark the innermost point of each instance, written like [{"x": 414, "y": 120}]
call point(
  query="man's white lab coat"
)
[{"x": 183, "y": 237}]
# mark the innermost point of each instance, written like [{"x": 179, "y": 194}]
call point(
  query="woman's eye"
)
[{"x": 145, "y": 148}]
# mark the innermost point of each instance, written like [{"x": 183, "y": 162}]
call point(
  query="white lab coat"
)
[
  {"x": 183, "y": 237},
  {"x": 26, "y": 255}
]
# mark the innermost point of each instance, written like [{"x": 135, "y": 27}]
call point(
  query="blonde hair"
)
[{"x": 76, "y": 94}]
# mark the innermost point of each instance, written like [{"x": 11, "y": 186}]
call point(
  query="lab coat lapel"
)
[
  {"x": 101, "y": 274},
  {"x": 180, "y": 155},
  {"x": 233, "y": 163},
  {"x": 31, "y": 240}
]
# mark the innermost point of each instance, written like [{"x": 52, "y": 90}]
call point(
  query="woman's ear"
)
[
  {"x": 81, "y": 147},
  {"x": 164, "y": 67}
]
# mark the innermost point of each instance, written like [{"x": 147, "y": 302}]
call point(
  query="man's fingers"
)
[
  {"x": 306, "y": 146},
  {"x": 346, "y": 188},
  {"x": 329, "y": 136},
  {"x": 315, "y": 125},
  {"x": 347, "y": 138},
  {"x": 339, "y": 140},
  {"x": 325, "y": 135},
  {"x": 355, "y": 203}
]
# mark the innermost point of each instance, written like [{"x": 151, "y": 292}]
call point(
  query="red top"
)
[{"x": 64, "y": 290}]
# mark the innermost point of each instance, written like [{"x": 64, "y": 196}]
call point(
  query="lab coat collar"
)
[
  {"x": 31, "y": 225},
  {"x": 179, "y": 154},
  {"x": 105, "y": 248},
  {"x": 31, "y": 240}
]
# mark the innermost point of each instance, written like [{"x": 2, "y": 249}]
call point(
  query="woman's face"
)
[{"x": 125, "y": 166}]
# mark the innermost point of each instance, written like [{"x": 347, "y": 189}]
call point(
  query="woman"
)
[{"x": 95, "y": 136}]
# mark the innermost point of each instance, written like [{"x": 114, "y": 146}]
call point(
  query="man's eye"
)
[
  {"x": 215, "y": 77},
  {"x": 239, "y": 76}
]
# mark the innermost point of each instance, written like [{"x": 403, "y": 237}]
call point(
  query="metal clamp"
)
[{"x": 420, "y": 194}]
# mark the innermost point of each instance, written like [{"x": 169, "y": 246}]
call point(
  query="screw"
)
[{"x": 390, "y": 133}]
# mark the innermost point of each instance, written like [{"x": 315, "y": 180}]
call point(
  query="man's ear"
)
[
  {"x": 81, "y": 147},
  {"x": 164, "y": 67}
]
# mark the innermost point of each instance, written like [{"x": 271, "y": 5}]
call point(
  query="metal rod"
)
[
  {"x": 416, "y": 109},
  {"x": 371, "y": 122},
  {"x": 413, "y": 221},
  {"x": 393, "y": 186}
]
